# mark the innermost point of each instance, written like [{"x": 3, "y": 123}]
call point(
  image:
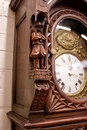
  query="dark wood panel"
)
[
  {"x": 14, "y": 4},
  {"x": 52, "y": 124},
  {"x": 17, "y": 127},
  {"x": 23, "y": 88},
  {"x": 77, "y": 126},
  {"x": 20, "y": 62},
  {"x": 26, "y": 112}
]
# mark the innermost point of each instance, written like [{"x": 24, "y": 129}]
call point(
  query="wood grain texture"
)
[
  {"x": 14, "y": 4},
  {"x": 38, "y": 103},
  {"x": 61, "y": 101},
  {"x": 75, "y": 123}
]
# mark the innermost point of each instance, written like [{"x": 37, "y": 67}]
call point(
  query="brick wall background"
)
[{"x": 7, "y": 20}]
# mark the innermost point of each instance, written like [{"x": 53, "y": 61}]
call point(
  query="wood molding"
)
[
  {"x": 69, "y": 123},
  {"x": 19, "y": 120},
  {"x": 14, "y": 4},
  {"x": 59, "y": 123},
  {"x": 21, "y": 20}
]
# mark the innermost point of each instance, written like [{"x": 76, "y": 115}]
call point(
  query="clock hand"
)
[
  {"x": 63, "y": 68},
  {"x": 69, "y": 72},
  {"x": 78, "y": 77}
]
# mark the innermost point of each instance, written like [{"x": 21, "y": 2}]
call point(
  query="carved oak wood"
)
[
  {"x": 14, "y": 4},
  {"x": 62, "y": 101},
  {"x": 50, "y": 124},
  {"x": 49, "y": 108}
]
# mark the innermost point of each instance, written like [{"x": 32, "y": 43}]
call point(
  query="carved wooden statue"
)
[{"x": 38, "y": 52}]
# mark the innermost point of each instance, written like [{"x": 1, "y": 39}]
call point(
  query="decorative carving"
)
[
  {"x": 41, "y": 4},
  {"x": 41, "y": 93},
  {"x": 41, "y": 7},
  {"x": 38, "y": 52},
  {"x": 58, "y": 101},
  {"x": 40, "y": 74},
  {"x": 82, "y": 51},
  {"x": 66, "y": 39},
  {"x": 78, "y": 128}
]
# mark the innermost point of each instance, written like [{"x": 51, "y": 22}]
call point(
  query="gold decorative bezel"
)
[
  {"x": 78, "y": 50},
  {"x": 82, "y": 87}
]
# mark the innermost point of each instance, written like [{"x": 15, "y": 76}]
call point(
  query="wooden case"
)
[{"x": 37, "y": 103}]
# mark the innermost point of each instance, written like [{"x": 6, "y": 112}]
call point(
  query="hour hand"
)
[
  {"x": 70, "y": 73},
  {"x": 78, "y": 76}
]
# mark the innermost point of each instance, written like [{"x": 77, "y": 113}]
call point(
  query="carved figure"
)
[{"x": 38, "y": 52}]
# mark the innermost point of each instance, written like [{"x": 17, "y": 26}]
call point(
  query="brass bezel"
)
[
  {"x": 74, "y": 51},
  {"x": 84, "y": 82}
]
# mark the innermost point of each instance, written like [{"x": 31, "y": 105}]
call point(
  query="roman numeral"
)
[
  {"x": 58, "y": 73},
  {"x": 78, "y": 67},
  {"x": 69, "y": 89},
  {"x": 63, "y": 59},
  {"x": 58, "y": 65},
  {"x": 79, "y": 81},
  {"x": 69, "y": 58},
  {"x": 75, "y": 61},
  {"x": 59, "y": 81},
  {"x": 75, "y": 87},
  {"x": 80, "y": 74},
  {"x": 63, "y": 86}
]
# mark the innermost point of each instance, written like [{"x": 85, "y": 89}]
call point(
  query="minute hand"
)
[
  {"x": 63, "y": 68},
  {"x": 77, "y": 76},
  {"x": 69, "y": 71}
]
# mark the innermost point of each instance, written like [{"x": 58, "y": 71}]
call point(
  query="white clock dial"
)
[{"x": 69, "y": 73}]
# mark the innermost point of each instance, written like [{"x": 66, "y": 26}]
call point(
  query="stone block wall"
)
[{"x": 7, "y": 21}]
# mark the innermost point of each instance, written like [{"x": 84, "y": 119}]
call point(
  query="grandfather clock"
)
[{"x": 50, "y": 65}]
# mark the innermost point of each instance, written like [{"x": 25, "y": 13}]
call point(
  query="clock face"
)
[{"x": 70, "y": 73}]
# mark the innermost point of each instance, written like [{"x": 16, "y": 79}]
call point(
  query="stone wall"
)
[{"x": 7, "y": 20}]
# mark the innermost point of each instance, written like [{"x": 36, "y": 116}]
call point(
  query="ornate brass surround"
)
[
  {"x": 70, "y": 42},
  {"x": 56, "y": 94}
]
